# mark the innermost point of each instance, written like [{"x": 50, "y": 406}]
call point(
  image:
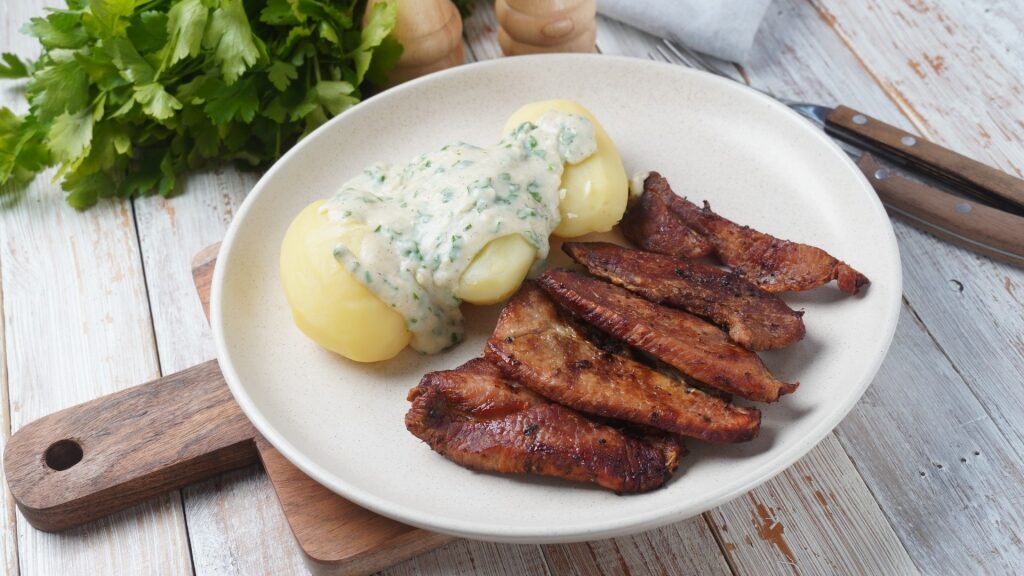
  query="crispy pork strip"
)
[
  {"x": 477, "y": 418},
  {"x": 535, "y": 346},
  {"x": 612, "y": 345},
  {"x": 694, "y": 347},
  {"x": 650, "y": 224},
  {"x": 775, "y": 265},
  {"x": 754, "y": 318}
]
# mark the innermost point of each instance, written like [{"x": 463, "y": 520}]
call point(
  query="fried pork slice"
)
[
  {"x": 535, "y": 346},
  {"x": 477, "y": 418},
  {"x": 608, "y": 343},
  {"x": 650, "y": 224},
  {"x": 754, "y": 318},
  {"x": 694, "y": 347},
  {"x": 775, "y": 265}
]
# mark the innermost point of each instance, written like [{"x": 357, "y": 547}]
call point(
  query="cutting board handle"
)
[{"x": 96, "y": 458}]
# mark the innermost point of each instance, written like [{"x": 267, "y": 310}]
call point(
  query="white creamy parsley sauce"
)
[
  {"x": 636, "y": 185},
  {"x": 429, "y": 218}
]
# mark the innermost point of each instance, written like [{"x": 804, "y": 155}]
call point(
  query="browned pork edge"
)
[
  {"x": 476, "y": 418},
  {"x": 775, "y": 265},
  {"x": 533, "y": 345},
  {"x": 685, "y": 342},
  {"x": 651, "y": 224},
  {"x": 754, "y": 318}
]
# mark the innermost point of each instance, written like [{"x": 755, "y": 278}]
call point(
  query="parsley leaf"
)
[
  {"x": 70, "y": 136},
  {"x": 231, "y": 39},
  {"x": 156, "y": 102},
  {"x": 281, "y": 74},
  {"x": 381, "y": 21},
  {"x": 281, "y": 12},
  {"x": 132, "y": 66},
  {"x": 148, "y": 31},
  {"x": 110, "y": 15},
  {"x": 334, "y": 96},
  {"x": 58, "y": 88},
  {"x": 22, "y": 151},
  {"x": 84, "y": 190},
  {"x": 236, "y": 102},
  {"x": 128, "y": 94},
  {"x": 12, "y": 66},
  {"x": 384, "y": 59},
  {"x": 61, "y": 29},
  {"x": 186, "y": 22}
]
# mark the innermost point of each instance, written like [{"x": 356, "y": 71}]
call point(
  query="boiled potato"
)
[
  {"x": 328, "y": 304},
  {"x": 338, "y": 312},
  {"x": 596, "y": 188},
  {"x": 497, "y": 270}
]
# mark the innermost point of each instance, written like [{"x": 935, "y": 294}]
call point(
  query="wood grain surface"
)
[
  {"x": 9, "y": 541},
  {"x": 86, "y": 461},
  {"x": 753, "y": 534},
  {"x": 336, "y": 536},
  {"x": 929, "y": 281},
  {"x": 77, "y": 326},
  {"x": 110, "y": 292}
]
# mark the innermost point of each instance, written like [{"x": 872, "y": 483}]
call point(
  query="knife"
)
[{"x": 918, "y": 180}]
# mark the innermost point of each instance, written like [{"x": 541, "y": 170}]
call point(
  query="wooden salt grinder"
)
[
  {"x": 430, "y": 32},
  {"x": 537, "y": 26}
]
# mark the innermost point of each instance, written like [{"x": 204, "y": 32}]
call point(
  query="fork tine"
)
[
  {"x": 679, "y": 54},
  {"x": 674, "y": 57},
  {"x": 658, "y": 56},
  {"x": 690, "y": 58},
  {"x": 668, "y": 57}
]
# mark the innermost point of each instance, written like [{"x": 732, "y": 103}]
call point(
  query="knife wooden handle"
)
[
  {"x": 973, "y": 177},
  {"x": 974, "y": 226},
  {"x": 96, "y": 458}
]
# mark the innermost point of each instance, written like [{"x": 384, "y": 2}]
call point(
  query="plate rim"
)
[{"x": 619, "y": 525}]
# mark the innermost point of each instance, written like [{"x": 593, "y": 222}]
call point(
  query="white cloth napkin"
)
[{"x": 722, "y": 28}]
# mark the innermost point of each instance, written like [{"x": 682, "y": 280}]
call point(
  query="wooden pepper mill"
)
[
  {"x": 535, "y": 26},
  {"x": 430, "y": 32}
]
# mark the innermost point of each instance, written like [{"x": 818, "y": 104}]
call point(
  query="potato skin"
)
[
  {"x": 596, "y": 188},
  {"x": 330, "y": 306}
]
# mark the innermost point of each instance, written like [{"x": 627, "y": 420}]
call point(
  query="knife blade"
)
[{"x": 915, "y": 179}]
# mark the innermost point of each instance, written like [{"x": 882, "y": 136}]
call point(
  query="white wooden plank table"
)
[{"x": 925, "y": 476}]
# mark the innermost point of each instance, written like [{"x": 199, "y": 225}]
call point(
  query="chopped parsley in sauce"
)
[{"x": 426, "y": 220}]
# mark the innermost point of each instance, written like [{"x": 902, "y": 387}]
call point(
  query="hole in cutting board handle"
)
[{"x": 63, "y": 454}]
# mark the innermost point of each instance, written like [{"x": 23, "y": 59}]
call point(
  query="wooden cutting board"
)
[{"x": 103, "y": 456}]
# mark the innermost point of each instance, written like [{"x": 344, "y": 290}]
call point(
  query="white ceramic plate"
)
[{"x": 754, "y": 160}]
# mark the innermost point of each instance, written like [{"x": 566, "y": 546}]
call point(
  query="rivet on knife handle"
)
[
  {"x": 969, "y": 175},
  {"x": 974, "y": 226}
]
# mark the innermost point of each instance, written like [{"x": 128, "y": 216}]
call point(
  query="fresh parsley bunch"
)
[{"x": 127, "y": 94}]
